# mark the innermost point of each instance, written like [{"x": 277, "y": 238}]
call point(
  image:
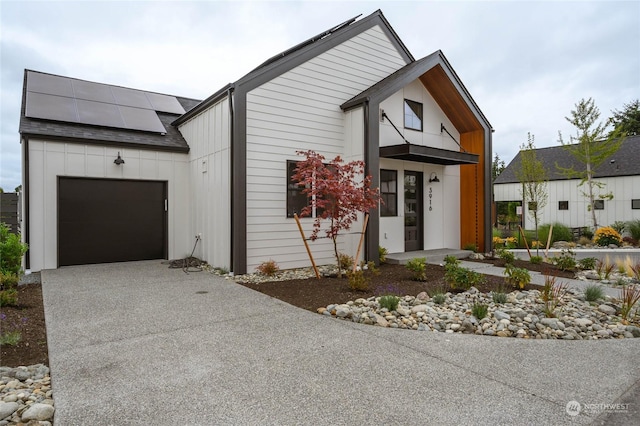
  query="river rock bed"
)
[
  {"x": 26, "y": 396},
  {"x": 522, "y": 316}
]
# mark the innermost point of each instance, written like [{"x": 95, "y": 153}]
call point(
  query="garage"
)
[{"x": 111, "y": 220}]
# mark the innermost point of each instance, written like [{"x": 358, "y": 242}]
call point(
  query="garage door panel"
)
[{"x": 103, "y": 220}]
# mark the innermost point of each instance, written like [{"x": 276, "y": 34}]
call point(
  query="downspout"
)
[
  {"x": 25, "y": 194},
  {"x": 229, "y": 96}
]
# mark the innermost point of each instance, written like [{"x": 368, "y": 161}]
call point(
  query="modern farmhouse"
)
[
  {"x": 116, "y": 174},
  {"x": 566, "y": 203}
]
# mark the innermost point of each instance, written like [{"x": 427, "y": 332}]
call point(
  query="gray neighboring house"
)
[{"x": 566, "y": 204}]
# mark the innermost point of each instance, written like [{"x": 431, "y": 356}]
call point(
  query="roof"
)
[
  {"x": 622, "y": 163},
  {"x": 68, "y": 131},
  {"x": 312, "y": 47},
  {"x": 439, "y": 78}
]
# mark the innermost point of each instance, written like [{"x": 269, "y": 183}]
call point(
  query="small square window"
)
[
  {"x": 563, "y": 205},
  {"x": 389, "y": 192},
  {"x": 598, "y": 204},
  {"x": 635, "y": 204},
  {"x": 412, "y": 115},
  {"x": 532, "y": 206}
]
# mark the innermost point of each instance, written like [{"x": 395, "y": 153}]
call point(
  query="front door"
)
[{"x": 413, "y": 231}]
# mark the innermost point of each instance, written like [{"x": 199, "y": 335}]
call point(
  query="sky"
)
[{"x": 526, "y": 64}]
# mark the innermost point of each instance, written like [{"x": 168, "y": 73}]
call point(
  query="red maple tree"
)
[{"x": 337, "y": 190}]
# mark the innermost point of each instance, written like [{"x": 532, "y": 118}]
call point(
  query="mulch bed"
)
[
  {"x": 32, "y": 347},
  {"x": 544, "y": 268}
]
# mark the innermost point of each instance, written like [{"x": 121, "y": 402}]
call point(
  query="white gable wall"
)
[
  {"x": 300, "y": 110},
  {"x": 210, "y": 169},
  {"x": 48, "y": 160},
  {"x": 624, "y": 189}
]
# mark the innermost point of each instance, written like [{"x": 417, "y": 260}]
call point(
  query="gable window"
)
[
  {"x": 389, "y": 192},
  {"x": 635, "y": 204},
  {"x": 563, "y": 205},
  {"x": 598, "y": 204},
  {"x": 412, "y": 115},
  {"x": 296, "y": 199}
]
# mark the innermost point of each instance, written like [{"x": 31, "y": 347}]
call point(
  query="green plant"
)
[
  {"x": 382, "y": 254},
  {"x": 418, "y": 265},
  {"x": 451, "y": 260},
  {"x": 587, "y": 263},
  {"x": 604, "y": 268},
  {"x": 389, "y": 301},
  {"x": 470, "y": 246},
  {"x": 506, "y": 255},
  {"x": 593, "y": 292},
  {"x": 10, "y": 333},
  {"x": 268, "y": 268},
  {"x": 584, "y": 241},
  {"x": 560, "y": 233},
  {"x": 357, "y": 279},
  {"x": 629, "y": 296},
  {"x": 618, "y": 226},
  {"x": 345, "y": 261},
  {"x": 499, "y": 297},
  {"x": 552, "y": 294},
  {"x": 633, "y": 226},
  {"x": 566, "y": 261},
  {"x": 8, "y": 297},
  {"x": 587, "y": 233},
  {"x": 479, "y": 310},
  {"x": 438, "y": 298},
  {"x": 536, "y": 260},
  {"x": 8, "y": 280},
  {"x": 606, "y": 236},
  {"x": 517, "y": 277},
  {"x": 636, "y": 270},
  {"x": 462, "y": 278},
  {"x": 11, "y": 251}
]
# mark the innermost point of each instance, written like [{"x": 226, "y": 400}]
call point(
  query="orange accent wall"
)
[{"x": 472, "y": 191}]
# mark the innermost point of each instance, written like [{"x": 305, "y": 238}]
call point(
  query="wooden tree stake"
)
[
  {"x": 546, "y": 250},
  {"x": 304, "y": 240},
  {"x": 525, "y": 240},
  {"x": 364, "y": 228}
]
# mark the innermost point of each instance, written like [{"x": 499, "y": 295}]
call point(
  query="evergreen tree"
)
[{"x": 627, "y": 120}]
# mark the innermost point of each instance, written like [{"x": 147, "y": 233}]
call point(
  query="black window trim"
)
[
  {"x": 408, "y": 102},
  {"x": 635, "y": 204},
  {"x": 597, "y": 204},
  {"x": 395, "y": 195},
  {"x": 565, "y": 207}
]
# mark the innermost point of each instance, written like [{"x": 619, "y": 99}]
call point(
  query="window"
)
[
  {"x": 598, "y": 204},
  {"x": 563, "y": 205},
  {"x": 412, "y": 115},
  {"x": 635, "y": 204},
  {"x": 296, "y": 199},
  {"x": 389, "y": 192},
  {"x": 532, "y": 206}
]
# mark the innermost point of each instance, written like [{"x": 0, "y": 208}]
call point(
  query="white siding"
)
[
  {"x": 624, "y": 190},
  {"x": 209, "y": 159},
  {"x": 433, "y": 116},
  {"x": 441, "y": 223},
  {"x": 48, "y": 160},
  {"x": 300, "y": 110}
]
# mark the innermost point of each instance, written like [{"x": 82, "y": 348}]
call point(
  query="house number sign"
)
[{"x": 430, "y": 198}]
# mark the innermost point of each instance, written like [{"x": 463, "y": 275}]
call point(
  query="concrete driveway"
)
[{"x": 138, "y": 343}]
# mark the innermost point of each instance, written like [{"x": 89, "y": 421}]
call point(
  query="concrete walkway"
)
[{"x": 138, "y": 343}]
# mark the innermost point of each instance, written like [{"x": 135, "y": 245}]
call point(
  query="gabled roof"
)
[
  {"x": 625, "y": 162},
  {"x": 282, "y": 62},
  {"x": 439, "y": 78},
  {"x": 73, "y": 131}
]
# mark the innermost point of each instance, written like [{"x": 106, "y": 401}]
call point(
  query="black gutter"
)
[
  {"x": 231, "y": 170},
  {"x": 118, "y": 144},
  {"x": 202, "y": 106}
]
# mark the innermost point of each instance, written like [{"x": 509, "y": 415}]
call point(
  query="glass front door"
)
[{"x": 413, "y": 230}]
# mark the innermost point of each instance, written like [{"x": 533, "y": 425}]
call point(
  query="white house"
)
[
  {"x": 115, "y": 174},
  {"x": 566, "y": 203}
]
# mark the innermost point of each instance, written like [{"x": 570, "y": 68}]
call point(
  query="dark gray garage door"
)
[{"x": 104, "y": 220}]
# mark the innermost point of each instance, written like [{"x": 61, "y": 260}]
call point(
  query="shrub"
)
[
  {"x": 618, "y": 226},
  {"x": 345, "y": 261},
  {"x": 633, "y": 226},
  {"x": 607, "y": 235},
  {"x": 517, "y": 277},
  {"x": 584, "y": 241},
  {"x": 462, "y": 278},
  {"x": 451, "y": 260},
  {"x": 438, "y": 298},
  {"x": 587, "y": 233},
  {"x": 418, "y": 265},
  {"x": 11, "y": 251},
  {"x": 8, "y": 280},
  {"x": 389, "y": 301},
  {"x": 506, "y": 255},
  {"x": 8, "y": 297},
  {"x": 499, "y": 297},
  {"x": 566, "y": 261},
  {"x": 560, "y": 233},
  {"x": 382, "y": 254},
  {"x": 268, "y": 268},
  {"x": 552, "y": 294},
  {"x": 593, "y": 292},
  {"x": 604, "y": 268},
  {"x": 629, "y": 296},
  {"x": 479, "y": 310},
  {"x": 470, "y": 246},
  {"x": 587, "y": 263},
  {"x": 536, "y": 260},
  {"x": 357, "y": 280}
]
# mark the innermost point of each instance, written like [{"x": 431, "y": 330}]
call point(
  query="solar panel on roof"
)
[
  {"x": 165, "y": 103},
  {"x": 92, "y": 91},
  {"x": 51, "y": 107},
  {"x": 141, "y": 119},
  {"x": 99, "y": 113},
  {"x": 130, "y": 97},
  {"x": 49, "y": 84}
]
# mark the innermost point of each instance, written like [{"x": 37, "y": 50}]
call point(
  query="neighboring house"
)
[
  {"x": 566, "y": 203},
  {"x": 221, "y": 170}
]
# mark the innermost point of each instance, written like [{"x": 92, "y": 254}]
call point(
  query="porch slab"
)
[{"x": 432, "y": 256}]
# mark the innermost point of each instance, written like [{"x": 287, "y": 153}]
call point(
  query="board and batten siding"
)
[
  {"x": 48, "y": 160},
  {"x": 300, "y": 110},
  {"x": 208, "y": 136},
  {"x": 624, "y": 189}
]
